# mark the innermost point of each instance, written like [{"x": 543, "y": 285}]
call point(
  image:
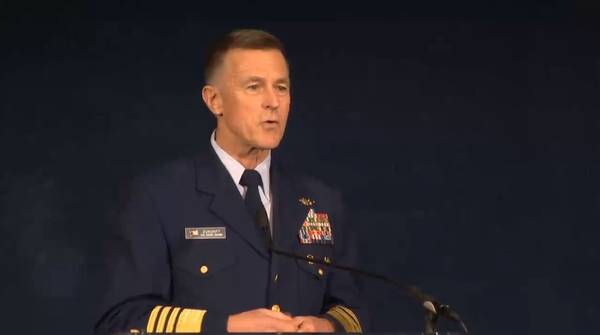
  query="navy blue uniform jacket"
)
[{"x": 162, "y": 282}]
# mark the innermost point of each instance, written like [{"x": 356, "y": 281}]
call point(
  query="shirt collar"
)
[{"x": 236, "y": 169}]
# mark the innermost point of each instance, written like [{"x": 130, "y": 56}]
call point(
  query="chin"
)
[{"x": 269, "y": 144}]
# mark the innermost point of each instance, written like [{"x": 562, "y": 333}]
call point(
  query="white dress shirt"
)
[{"x": 236, "y": 169}]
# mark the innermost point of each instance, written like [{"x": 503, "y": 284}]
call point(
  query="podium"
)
[{"x": 373, "y": 333}]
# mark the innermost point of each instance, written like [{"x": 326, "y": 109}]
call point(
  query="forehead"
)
[{"x": 268, "y": 63}]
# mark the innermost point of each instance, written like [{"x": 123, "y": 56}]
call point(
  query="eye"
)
[
  {"x": 252, "y": 87},
  {"x": 282, "y": 88}
]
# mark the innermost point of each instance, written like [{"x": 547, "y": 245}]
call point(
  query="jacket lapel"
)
[{"x": 227, "y": 203}]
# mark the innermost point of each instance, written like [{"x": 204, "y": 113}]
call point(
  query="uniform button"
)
[
  {"x": 203, "y": 269},
  {"x": 310, "y": 257},
  {"x": 321, "y": 272},
  {"x": 276, "y": 277},
  {"x": 327, "y": 260},
  {"x": 276, "y": 308}
]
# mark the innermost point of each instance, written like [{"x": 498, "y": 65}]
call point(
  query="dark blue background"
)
[{"x": 464, "y": 136}]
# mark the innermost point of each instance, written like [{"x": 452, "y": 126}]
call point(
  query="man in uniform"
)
[{"x": 194, "y": 251}]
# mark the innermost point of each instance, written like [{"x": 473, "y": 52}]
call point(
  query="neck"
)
[{"x": 248, "y": 156}]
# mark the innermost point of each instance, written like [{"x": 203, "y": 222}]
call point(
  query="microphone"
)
[{"x": 433, "y": 308}]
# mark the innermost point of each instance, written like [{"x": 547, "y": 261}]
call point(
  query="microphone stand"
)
[{"x": 433, "y": 309}]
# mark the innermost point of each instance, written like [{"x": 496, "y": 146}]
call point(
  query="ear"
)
[{"x": 213, "y": 100}]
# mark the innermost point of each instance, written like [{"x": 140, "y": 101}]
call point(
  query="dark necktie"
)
[{"x": 252, "y": 180}]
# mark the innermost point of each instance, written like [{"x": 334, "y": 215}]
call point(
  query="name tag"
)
[{"x": 205, "y": 233}]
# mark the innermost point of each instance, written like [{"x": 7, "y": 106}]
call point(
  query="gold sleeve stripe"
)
[
  {"x": 190, "y": 321},
  {"x": 172, "y": 318},
  {"x": 177, "y": 320},
  {"x": 347, "y": 322},
  {"x": 152, "y": 318},
  {"x": 352, "y": 315},
  {"x": 341, "y": 319},
  {"x": 162, "y": 319},
  {"x": 347, "y": 318}
]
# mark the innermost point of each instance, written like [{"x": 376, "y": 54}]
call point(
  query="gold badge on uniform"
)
[
  {"x": 307, "y": 201},
  {"x": 316, "y": 229}
]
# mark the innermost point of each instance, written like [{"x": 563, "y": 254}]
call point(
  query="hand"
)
[
  {"x": 313, "y": 324},
  {"x": 262, "y": 320}
]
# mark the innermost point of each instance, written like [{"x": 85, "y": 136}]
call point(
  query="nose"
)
[{"x": 270, "y": 99}]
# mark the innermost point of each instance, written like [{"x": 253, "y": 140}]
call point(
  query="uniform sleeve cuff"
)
[
  {"x": 337, "y": 326},
  {"x": 215, "y": 322}
]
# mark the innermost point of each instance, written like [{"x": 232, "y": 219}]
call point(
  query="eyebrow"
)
[{"x": 262, "y": 80}]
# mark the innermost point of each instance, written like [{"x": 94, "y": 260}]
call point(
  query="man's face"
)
[{"x": 254, "y": 88}]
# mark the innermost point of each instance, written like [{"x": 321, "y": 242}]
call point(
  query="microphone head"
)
[{"x": 429, "y": 306}]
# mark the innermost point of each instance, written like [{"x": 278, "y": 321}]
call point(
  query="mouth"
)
[{"x": 271, "y": 123}]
